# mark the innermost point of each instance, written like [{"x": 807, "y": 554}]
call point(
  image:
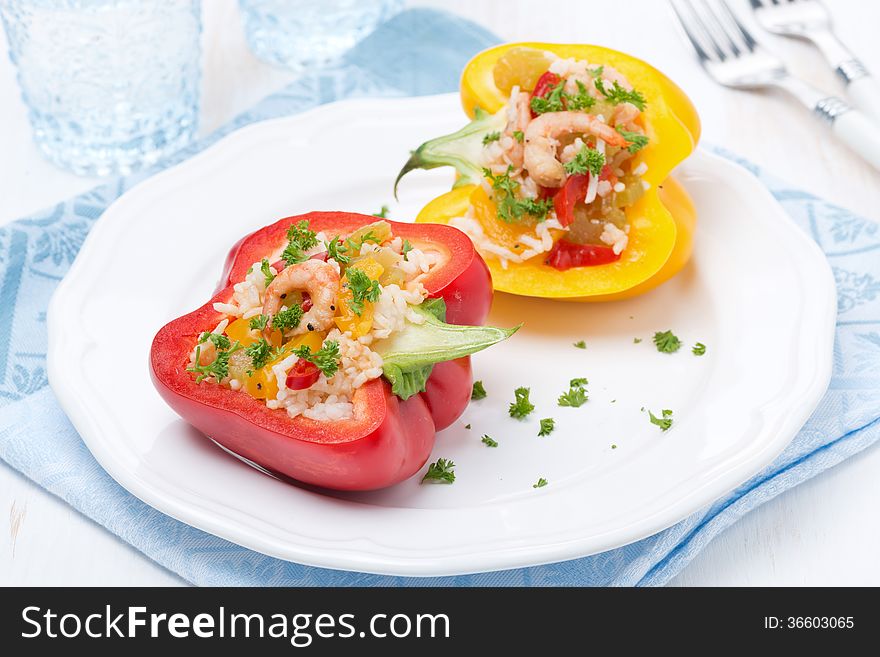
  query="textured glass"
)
[
  {"x": 298, "y": 33},
  {"x": 110, "y": 85}
]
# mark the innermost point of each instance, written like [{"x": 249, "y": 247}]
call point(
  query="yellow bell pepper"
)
[
  {"x": 346, "y": 319},
  {"x": 661, "y": 222}
]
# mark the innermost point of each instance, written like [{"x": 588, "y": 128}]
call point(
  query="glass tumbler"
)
[
  {"x": 110, "y": 85},
  {"x": 300, "y": 33}
]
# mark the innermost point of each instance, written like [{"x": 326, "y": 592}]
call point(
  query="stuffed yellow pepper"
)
[{"x": 563, "y": 173}]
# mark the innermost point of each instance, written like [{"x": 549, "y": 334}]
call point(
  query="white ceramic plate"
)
[{"x": 758, "y": 293}]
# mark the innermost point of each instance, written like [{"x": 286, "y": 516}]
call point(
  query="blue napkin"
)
[{"x": 417, "y": 52}]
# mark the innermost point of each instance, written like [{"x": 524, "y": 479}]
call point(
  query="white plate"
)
[{"x": 758, "y": 293}]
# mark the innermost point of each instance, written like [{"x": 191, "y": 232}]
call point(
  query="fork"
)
[
  {"x": 732, "y": 57},
  {"x": 809, "y": 19}
]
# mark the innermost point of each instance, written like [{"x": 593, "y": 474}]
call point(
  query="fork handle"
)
[{"x": 853, "y": 128}]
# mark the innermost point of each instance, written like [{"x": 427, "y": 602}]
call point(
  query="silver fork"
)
[
  {"x": 809, "y": 19},
  {"x": 732, "y": 57}
]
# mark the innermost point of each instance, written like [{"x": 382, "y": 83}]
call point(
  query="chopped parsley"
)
[
  {"x": 336, "y": 251},
  {"x": 578, "y": 383},
  {"x": 478, "y": 392},
  {"x": 582, "y": 100},
  {"x": 259, "y": 352},
  {"x": 636, "y": 141},
  {"x": 580, "y": 344},
  {"x": 259, "y": 322},
  {"x": 300, "y": 238},
  {"x": 618, "y": 94},
  {"x": 574, "y": 398},
  {"x": 547, "y": 426},
  {"x": 362, "y": 288},
  {"x": 698, "y": 349},
  {"x": 553, "y": 101},
  {"x": 267, "y": 273},
  {"x": 511, "y": 209},
  {"x": 289, "y": 318},
  {"x": 587, "y": 160},
  {"x": 326, "y": 358},
  {"x": 219, "y": 367},
  {"x": 220, "y": 341},
  {"x": 664, "y": 421},
  {"x": 519, "y": 135},
  {"x": 489, "y": 137},
  {"x": 540, "y": 483},
  {"x": 383, "y": 213},
  {"x": 488, "y": 441},
  {"x": 636, "y": 340},
  {"x": 613, "y": 446},
  {"x": 405, "y": 249},
  {"x": 522, "y": 406},
  {"x": 596, "y": 72},
  {"x": 467, "y": 426},
  {"x": 441, "y": 471},
  {"x": 667, "y": 342}
]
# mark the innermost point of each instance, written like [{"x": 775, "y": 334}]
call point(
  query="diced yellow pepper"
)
[{"x": 347, "y": 319}]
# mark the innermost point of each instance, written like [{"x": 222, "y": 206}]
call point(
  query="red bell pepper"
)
[
  {"x": 387, "y": 439},
  {"x": 565, "y": 255},
  {"x": 574, "y": 190}
]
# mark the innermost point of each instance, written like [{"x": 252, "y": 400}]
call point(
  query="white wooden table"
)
[{"x": 826, "y": 531}]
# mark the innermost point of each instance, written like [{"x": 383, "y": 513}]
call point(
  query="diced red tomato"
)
[
  {"x": 566, "y": 255},
  {"x": 546, "y": 192},
  {"x": 304, "y": 374},
  {"x": 279, "y": 265},
  {"x": 606, "y": 174},
  {"x": 574, "y": 190}
]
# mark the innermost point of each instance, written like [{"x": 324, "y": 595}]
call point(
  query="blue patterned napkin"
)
[{"x": 417, "y": 52}]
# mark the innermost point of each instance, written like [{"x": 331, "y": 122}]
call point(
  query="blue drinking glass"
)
[
  {"x": 110, "y": 85},
  {"x": 300, "y": 33}
]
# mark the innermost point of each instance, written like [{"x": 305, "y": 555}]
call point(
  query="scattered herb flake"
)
[
  {"x": 489, "y": 137},
  {"x": 522, "y": 406},
  {"x": 540, "y": 483},
  {"x": 259, "y": 353},
  {"x": 587, "y": 160},
  {"x": 405, "y": 249},
  {"x": 667, "y": 342},
  {"x": 618, "y": 94},
  {"x": 488, "y": 441},
  {"x": 267, "y": 273},
  {"x": 326, "y": 358},
  {"x": 699, "y": 349},
  {"x": 363, "y": 289},
  {"x": 580, "y": 344},
  {"x": 664, "y": 422},
  {"x": 636, "y": 140},
  {"x": 578, "y": 383},
  {"x": 259, "y": 322},
  {"x": 441, "y": 471},
  {"x": 336, "y": 250},
  {"x": 519, "y": 135},
  {"x": 467, "y": 426},
  {"x": 547, "y": 426},
  {"x": 636, "y": 340},
  {"x": 383, "y": 213},
  {"x": 478, "y": 392},
  {"x": 574, "y": 398}
]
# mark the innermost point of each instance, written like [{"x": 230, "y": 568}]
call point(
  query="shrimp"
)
[
  {"x": 518, "y": 116},
  {"x": 319, "y": 279},
  {"x": 541, "y": 140}
]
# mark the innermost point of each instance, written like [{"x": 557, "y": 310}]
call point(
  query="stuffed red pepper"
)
[{"x": 335, "y": 348}]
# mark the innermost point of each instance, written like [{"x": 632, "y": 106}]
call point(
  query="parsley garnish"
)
[
  {"x": 618, "y": 94},
  {"x": 489, "y": 137},
  {"x": 578, "y": 383},
  {"x": 540, "y": 483},
  {"x": 289, "y": 318},
  {"x": 259, "y": 352},
  {"x": 511, "y": 209},
  {"x": 488, "y": 442},
  {"x": 582, "y": 100},
  {"x": 519, "y": 135},
  {"x": 575, "y": 397},
  {"x": 441, "y": 471},
  {"x": 636, "y": 141},
  {"x": 336, "y": 251},
  {"x": 580, "y": 344},
  {"x": 596, "y": 72},
  {"x": 259, "y": 322},
  {"x": 220, "y": 341},
  {"x": 587, "y": 159},
  {"x": 636, "y": 340},
  {"x": 363, "y": 289},
  {"x": 667, "y": 342},
  {"x": 663, "y": 422},
  {"x": 405, "y": 249},
  {"x": 553, "y": 101},
  {"x": 267, "y": 273},
  {"x": 326, "y": 358},
  {"x": 478, "y": 392},
  {"x": 522, "y": 406},
  {"x": 219, "y": 367},
  {"x": 299, "y": 240},
  {"x": 547, "y": 426},
  {"x": 383, "y": 213}
]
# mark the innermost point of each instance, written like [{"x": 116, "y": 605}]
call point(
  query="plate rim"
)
[{"x": 481, "y": 558}]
